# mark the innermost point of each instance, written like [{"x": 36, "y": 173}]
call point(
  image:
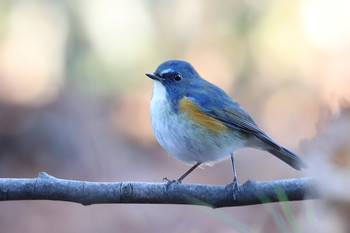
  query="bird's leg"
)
[
  {"x": 188, "y": 172},
  {"x": 235, "y": 180},
  {"x": 234, "y": 184},
  {"x": 183, "y": 176}
]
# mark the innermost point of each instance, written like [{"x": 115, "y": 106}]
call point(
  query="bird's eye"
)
[{"x": 177, "y": 77}]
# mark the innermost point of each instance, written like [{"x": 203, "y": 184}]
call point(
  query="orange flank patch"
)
[{"x": 198, "y": 116}]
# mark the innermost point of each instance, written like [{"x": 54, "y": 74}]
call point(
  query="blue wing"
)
[{"x": 217, "y": 104}]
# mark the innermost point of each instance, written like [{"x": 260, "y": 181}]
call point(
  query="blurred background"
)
[{"x": 74, "y": 102}]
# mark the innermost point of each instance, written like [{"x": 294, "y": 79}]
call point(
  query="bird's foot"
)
[
  {"x": 234, "y": 187},
  {"x": 170, "y": 182}
]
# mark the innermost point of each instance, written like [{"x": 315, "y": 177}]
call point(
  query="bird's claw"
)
[
  {"x": 169, "y": 182},
  {"x": 234, "y": 187}
]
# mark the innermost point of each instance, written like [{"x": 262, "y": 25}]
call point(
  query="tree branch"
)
[{"x": 46, "y": 187}]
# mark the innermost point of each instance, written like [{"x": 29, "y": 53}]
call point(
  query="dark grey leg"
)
[
  {"x": 234, "y": 185},
  {"x": 182, "y": 177},
  {"x": 188, "y": 172},
  {"x": 235, "y": 180}
]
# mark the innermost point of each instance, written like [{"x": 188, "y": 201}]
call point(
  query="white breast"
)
[
  {"x": 158, "y": 96},
  {"x": 181, "y": 137},
  {"x": 163, "y": 119},
  {"x": 159, "y": 108}
]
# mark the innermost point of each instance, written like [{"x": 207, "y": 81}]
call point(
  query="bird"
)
[{"x": 199, "y": 124}]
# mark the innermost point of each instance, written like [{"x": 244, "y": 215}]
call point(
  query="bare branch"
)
[{"x": 46, "y": 187}]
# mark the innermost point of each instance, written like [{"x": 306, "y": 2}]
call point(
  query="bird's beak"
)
[{"x": 154, "y": 76}]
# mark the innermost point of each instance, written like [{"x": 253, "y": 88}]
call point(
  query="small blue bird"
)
[{"x": 198, "y": 123}]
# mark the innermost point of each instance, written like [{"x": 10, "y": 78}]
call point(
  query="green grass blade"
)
[
  {"x": 276, "y": 216},
  {"x": 229, "y": 220},
  {"x": 286, "y": 208}
]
